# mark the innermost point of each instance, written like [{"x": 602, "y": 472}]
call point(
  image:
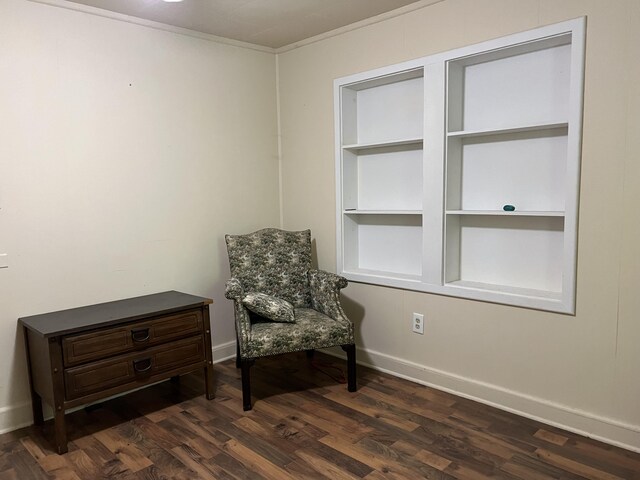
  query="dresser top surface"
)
[{"x": 89, "y": 317}]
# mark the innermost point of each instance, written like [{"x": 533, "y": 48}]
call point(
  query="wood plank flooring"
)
[{"x": 305, "y": 425}]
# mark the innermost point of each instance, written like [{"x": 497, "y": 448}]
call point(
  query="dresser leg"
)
[
  {"x": 36, "y": 400},
  {"x": 61, "y": 432},
  {"x": 36, "y": 406},
  {"x": 55, "y": 357},
  {"x": 208, "y": 368}
]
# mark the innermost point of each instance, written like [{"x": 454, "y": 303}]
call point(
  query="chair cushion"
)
[
  {"x": 270, "y": 307},
  {"x": 312, "y": 329}
]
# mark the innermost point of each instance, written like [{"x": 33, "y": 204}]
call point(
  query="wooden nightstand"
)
[{"x": 85, "y": 354}]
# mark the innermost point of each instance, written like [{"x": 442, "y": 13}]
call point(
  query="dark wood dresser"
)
[{"x": 85, "y": 354}]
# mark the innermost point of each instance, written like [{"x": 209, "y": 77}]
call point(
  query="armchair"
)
[{"x": 271, "y": 276}]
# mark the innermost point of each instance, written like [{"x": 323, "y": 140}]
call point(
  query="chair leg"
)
[
  {"x": 351, "y": 366},
  {"x": 245, "y": 365},
  {"x": 237, "y": 354}
]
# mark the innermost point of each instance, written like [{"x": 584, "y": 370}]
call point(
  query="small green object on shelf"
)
[{"x": 509, "y": 208}]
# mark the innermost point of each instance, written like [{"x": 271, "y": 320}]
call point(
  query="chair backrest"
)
[{"x": 274, "y": 262}]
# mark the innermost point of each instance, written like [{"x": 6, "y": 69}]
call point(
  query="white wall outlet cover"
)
[{"x": 418, "y": 323}]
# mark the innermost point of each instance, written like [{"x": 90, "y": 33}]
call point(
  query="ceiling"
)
[{"x": 270, "y": 23}]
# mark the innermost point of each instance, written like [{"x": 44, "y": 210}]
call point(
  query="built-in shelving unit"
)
[
  {"x": 429, "y": 152},
  {"x": 507, "y": 128},
  {"x": 382, "y": 156}
]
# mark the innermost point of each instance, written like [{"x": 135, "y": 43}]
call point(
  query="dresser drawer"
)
[
  {"x": 133, "y": 367},
  {"x": 107, "y": 342}
]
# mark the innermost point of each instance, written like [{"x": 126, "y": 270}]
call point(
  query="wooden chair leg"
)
[
  {"x": 245, "y": 365},
  {"x": 351, "y": 366},
  {"x": 237, "y": 354}
]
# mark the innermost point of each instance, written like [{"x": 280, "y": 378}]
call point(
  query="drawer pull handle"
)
[
  {"x": 141, "y": 366},
  {"x": 140, "y": 335}
]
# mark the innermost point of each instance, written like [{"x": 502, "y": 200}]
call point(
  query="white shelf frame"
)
[{"x": 434, "y": 143}]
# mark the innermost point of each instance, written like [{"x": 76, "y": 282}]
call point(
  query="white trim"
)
[
  {"x": 605, "y": 429},
  {"x": 151, "y": 24},
  {"x": 337, "y": 139},
  {"x": 357, "y": 25},
  {"x": 224, "y": 351},
  {"x": 434, "y": 228},
  {"x": 279, "y": 134},
  {"x": 237, "y": 43},
  {"x": 15, "y": 416}
]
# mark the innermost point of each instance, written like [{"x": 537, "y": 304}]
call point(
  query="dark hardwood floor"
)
[{"x": 306, "y": 425}]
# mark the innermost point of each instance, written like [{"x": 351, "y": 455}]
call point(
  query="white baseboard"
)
[
  {"x": 224, "y": 352},
  {"x": 15, "y": 416},
  {"x": 608, "y": 430},
  {"x": 601, "y": 428}
]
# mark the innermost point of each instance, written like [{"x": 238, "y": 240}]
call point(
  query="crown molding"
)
[
  {"x": 151, "y": 24},
  {"x": 237, "y": 43},
  {"x": 357, "y": 25}
]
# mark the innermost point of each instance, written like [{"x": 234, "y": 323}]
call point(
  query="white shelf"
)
[
  {"x": 376, "y": 112},
  {"x": 512, "y": 89},
  {"x": 383, "y": 212},
  {"x": 508, "y": 130},
  {"x": 516, "y": 213},
  {"x": 417, "y": 142},
  {"x": 368, "y": 275},
  {"x": 524, "y": 169},
  {"x": 506, "y": 289},
  {"x": 383, "y": 243},
  {"x": 382, "y": 179},
  {"x": 517, "y": 251},
  {"x": 430, "y": 150}
]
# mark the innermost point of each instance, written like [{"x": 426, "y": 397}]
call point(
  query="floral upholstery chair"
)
[{"x": 281, "y": 304}]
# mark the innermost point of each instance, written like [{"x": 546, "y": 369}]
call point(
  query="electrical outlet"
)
[{"x": 417, "y": 320}]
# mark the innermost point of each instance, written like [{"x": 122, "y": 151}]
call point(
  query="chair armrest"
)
[
  {"x": 325, "y": 293},
  {"x": 326, "y": 280},
  {"x": 243, "y": 325},
  {"x": 233, "y": 290}
]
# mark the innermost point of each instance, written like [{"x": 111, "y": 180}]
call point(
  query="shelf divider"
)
[{"x": 502, "y": 131}]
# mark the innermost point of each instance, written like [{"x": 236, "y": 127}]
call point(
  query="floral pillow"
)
[{"x": 270, "y": 307}]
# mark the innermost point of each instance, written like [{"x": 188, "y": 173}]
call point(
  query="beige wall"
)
[
  {"x": 126, "y": 153},
  {"x": 579, "y": 371}
]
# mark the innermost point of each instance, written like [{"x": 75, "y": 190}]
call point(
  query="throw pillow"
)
[{"x": 270, "y": 307}]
